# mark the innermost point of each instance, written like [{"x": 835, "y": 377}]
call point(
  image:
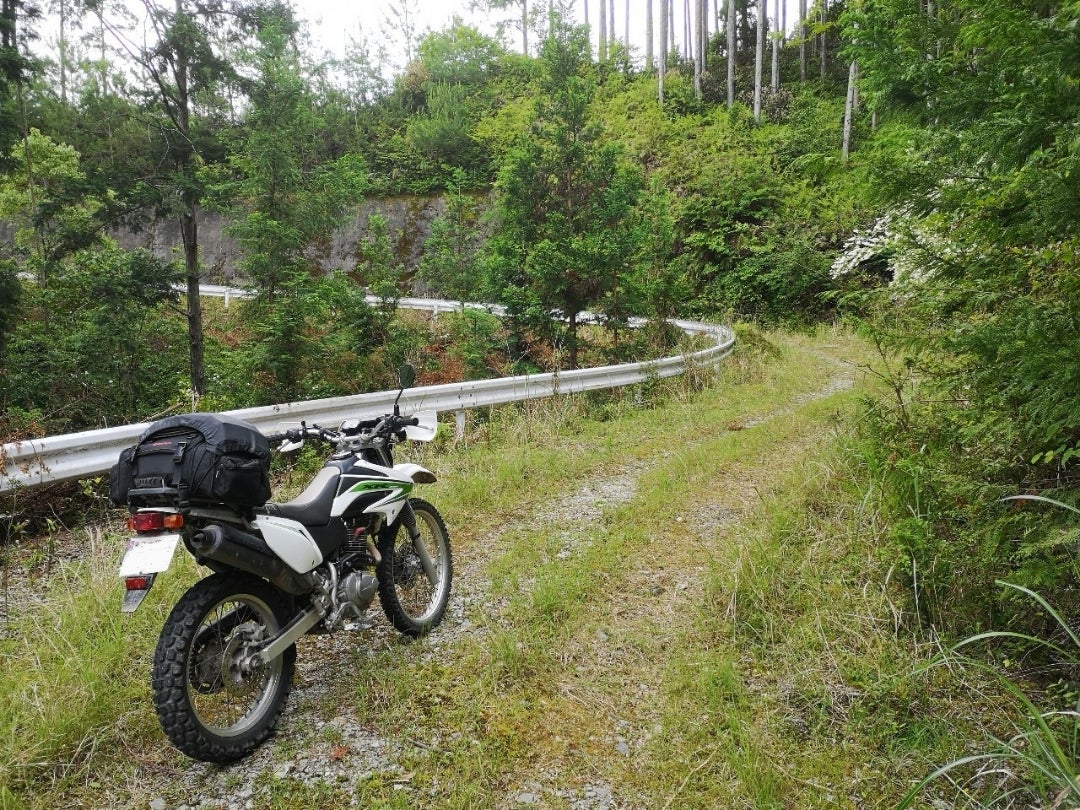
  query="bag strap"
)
[{"x": 181, "y": 486}]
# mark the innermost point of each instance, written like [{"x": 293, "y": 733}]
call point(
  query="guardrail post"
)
[{"x": 459, "y": 425}]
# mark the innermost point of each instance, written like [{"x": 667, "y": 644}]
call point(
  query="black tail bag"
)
[{"x": 194, "y": 457}]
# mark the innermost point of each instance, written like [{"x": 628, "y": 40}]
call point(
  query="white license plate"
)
[{"x": 148, "y": 555}]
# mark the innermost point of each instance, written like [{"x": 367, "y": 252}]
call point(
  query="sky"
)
[{"x": 334, "y": 22}]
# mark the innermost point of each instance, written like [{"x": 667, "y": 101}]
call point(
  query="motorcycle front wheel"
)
[
  {"x": 414, "y": 576},
  {"x": 216, "y": 701}
]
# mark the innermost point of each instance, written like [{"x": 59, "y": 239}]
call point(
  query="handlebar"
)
[{"x": 387, "y": 426}]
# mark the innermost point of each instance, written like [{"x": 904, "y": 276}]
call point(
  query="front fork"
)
[{"x": 408, "y": 520}]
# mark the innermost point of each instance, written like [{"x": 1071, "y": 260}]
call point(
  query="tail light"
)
[{"x": 154, "y": 521}]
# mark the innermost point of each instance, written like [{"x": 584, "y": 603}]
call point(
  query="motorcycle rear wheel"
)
[
  {"x": 213, "y": 703},
  {"x": 413, "y": 599}
]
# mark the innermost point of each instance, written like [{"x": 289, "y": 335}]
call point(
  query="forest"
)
[{"x": 907, "y": 168}]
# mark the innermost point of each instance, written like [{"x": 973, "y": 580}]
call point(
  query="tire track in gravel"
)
[{"x": 647, "y": 604}]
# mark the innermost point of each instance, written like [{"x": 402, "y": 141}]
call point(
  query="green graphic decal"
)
[{"x": 396, "y": 490}]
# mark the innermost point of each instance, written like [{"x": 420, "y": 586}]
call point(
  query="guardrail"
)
[{"x": 72, "y": 456}]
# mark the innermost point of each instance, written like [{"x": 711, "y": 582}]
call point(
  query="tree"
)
[
  {"x": 451, "y": 260},
  {"x": 14, "y": 71},
  {"x": 564, "y": 225},
  {"x": 822, "y": 41},
  {"x": 283, "y": 198},
  {"x": 281, "y": 195},
  {"x": 759, "y": 57},
  {"x": 732, "y": 46},
  {"x": 649, "y": 62},
  {"x": 603, "y": 49},
  {"x": 661, "y": 73},
  {"x": 380, "y": 270},
  {"x": 107, "y": 360},
  {"x": 401, "y": 17},
  {"x": 10, "y": 292},
  {"x": 47, "y": 201},
  {"x": 523, "y": 20},
  {"x": 701, "y": 44},
  {"x": 180, "y": 64},
  {"x": 802, "y": 40},
  {"x": 777, "y": 41},
  {"x": 849, "y": 110},
  {"x": 459, "y": 67},
  {"x": 663, "y": 287},
  {"x": 983, "y": 249}
]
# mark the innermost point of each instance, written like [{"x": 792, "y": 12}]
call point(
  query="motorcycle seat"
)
[{"x": 312, "y": 506}]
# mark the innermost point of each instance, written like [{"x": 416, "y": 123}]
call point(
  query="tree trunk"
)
[
  {"x": 671, "y": 24},
  {"x": 759, "y": 58},
  {"x": 699, "y": 56},
  {"x": 611, "y": 28},
  {"x": 663, "y": 49},
  {"x": 188, "y": 227},
  {"x": 731, "y": 54},
  {"x": 774, "y": 82},
  {"x": 602, "y": 51},
  {"x": 703, "y": 34},
  {"x": 649, "y": 61},
  {"x": 588, "y": 28},
  {"x": 688, "y": 48},
  {"x": 849, "y": 111},
  {"x": 802, "y": 40},
  {"x": 822, "y": 48},
  {"x": 61, "y": 45},
  {"x": 525, "y": 27},
  {"x": 9, "y": 12}
]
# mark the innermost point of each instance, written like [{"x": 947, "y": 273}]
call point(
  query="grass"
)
[
  {"x": 709, "y": 628},
  {"x": 73, "y": 685}
]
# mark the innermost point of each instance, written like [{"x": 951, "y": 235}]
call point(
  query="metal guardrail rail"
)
[{"x": 34, "y": 462}]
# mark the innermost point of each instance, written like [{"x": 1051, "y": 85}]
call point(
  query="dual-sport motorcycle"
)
[{"x": 225, "y": 658}]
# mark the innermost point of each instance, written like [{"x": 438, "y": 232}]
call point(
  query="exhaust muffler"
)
[{"x": 248, "y": 553}]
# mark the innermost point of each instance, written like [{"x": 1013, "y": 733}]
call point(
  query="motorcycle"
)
[{"x": 225, "y": 658}]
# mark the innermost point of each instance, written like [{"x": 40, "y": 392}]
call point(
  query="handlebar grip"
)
[{"x": 411, "y": 422}]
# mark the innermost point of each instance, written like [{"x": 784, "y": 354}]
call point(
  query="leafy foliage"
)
[
  {"x": 983, "y": 314},
  {"x": 452, "y": 253},
  {"x": 91, "y": 346}
]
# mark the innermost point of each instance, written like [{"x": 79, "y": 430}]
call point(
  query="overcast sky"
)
[{"x": 334, "y": 22}]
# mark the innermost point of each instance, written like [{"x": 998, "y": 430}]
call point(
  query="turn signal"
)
[{"x": 174, "y": 521}]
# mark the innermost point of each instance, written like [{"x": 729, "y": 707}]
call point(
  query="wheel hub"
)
[
  {"x": 408, "y": 568},
  {"x": 241, "y": 669}
]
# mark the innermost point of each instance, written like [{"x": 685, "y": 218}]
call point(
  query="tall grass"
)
[
  {"x": 1037, "y": 760},
  {"x": 73, "y": 677}
]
